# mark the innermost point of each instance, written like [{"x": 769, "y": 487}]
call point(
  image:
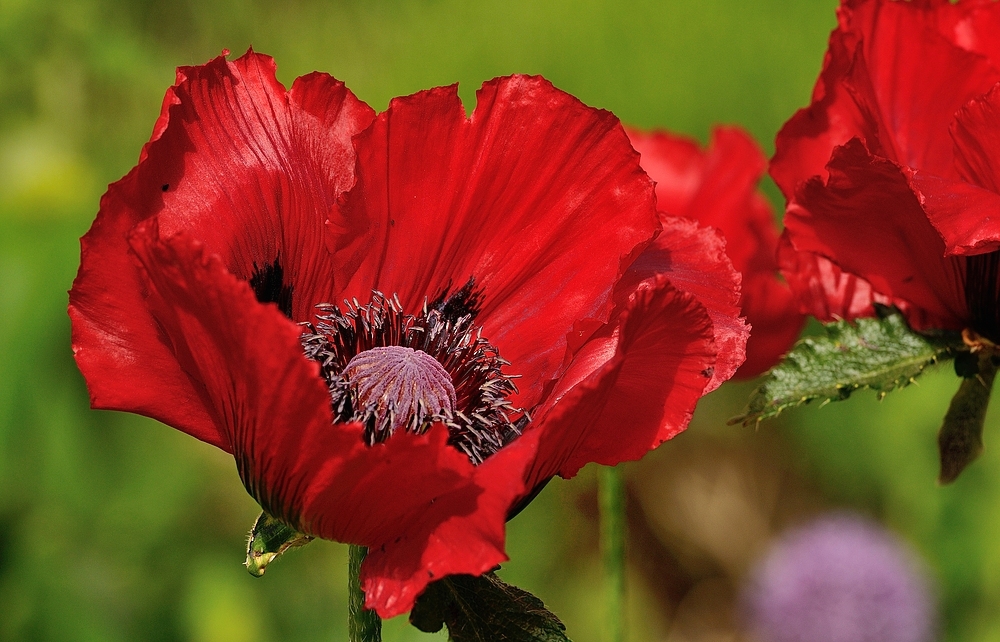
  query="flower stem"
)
[
  {"x": 363, "y": 625},
  {"x": 612, "y": 506}
]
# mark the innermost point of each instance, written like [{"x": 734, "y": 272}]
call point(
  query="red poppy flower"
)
[
  {"x": 465, "y": 251},
  {"x": 718, "y": 187},
  {"x": 889, "y": 173}
]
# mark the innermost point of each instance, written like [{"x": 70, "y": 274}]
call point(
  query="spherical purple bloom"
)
[{"x": 841, "y": 578}]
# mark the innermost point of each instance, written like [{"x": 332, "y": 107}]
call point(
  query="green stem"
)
[
  {"x": 363, "y": 625},
  {"x": 612, "y": 504}
]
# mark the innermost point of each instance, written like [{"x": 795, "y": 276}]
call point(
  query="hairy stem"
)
[{"x": 363, "y": 625}]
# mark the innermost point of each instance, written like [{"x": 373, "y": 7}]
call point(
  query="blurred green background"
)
[{"x": 114, "y": 527}]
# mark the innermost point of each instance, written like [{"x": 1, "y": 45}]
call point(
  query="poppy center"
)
[
  {"x": 406, "y": 384},
  {"x": 392, "y": 371}
]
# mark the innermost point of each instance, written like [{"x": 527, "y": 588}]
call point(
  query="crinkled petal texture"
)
[
  {"x": 717, "y": 187},
  {"x": 694, "y": 259},
  {"x": 966, "y": 212},
  {"x": 541, "y": 201},
  {"x": 890, "y": 78},
  {"x": 830, "y": 293},
  {"x": 867, "y": 218},
  {"x": 421, "y": 506},
  {"x": 535, "y": 196},
  {"x": 241, "y": 217},
  {"x": 887, "y": 187},
  {"x": 631, "y": 386},
  {"x": 248, "y": 169}
]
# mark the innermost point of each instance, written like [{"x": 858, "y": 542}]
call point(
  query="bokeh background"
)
[{"x": 114, "y": 527}]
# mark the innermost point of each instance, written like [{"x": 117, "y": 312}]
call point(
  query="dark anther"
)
[
  {"x": 165, "y": 187},
  {"x": 268, "y": 284},
  {"x": 464, "y": 302}
]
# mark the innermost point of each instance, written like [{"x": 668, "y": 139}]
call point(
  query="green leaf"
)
[
  {"x": 879, "y": 353},
  {"x": 485, "y": 609},
  {"x": 269, "y": 538}
]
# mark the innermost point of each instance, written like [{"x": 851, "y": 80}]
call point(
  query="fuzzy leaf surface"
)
[{"x": 880, "y": 353}]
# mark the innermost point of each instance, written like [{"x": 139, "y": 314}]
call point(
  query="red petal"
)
[
  {"x": 828, "y": 293},
  {"x": 775, "y": 323},
  {"x": 118, "y": 346},
  {"x": 917, "y": 79},
  {"x": 417, "y": 502},
  {"x": 253, "y": 170},
  {"x": 971, "y": 25},
  {"x": 804, "y": 143},
  {"x": 248, "y": 169},
  {"x": 694, "y": 260},
  {"x": 677, "y": 166},
  {"x": 966, "y": 216},
  {"x": 867, "y": 220},
  {"x": 537, "y": 196},
  {"x": 718, "y": 187},
  {"x": 261, "y": 391},
  {"x": 822, "y": 289},
  {"x": 120, "y": 349},
  {"x": 965, "y": 213},
  {"x": 116, "y": 343},
  {"x": 631, "y": 387},
  {"x": 891, "y": 79},
  {"x": 976, "y": 131},
  {"x": 461, "y": 533}
]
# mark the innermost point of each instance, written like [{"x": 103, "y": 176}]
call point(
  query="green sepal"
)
[
  {"x": 960, "y": 440},
  {"x": 880, "y": 353},
  {"x": 485, "y": 609},
  {"x": 269, "y": 538}
]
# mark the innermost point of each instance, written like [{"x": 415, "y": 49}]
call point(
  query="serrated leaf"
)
[
  {"x": 879, "y": 353},
  {"x": 485, "y": 609}
]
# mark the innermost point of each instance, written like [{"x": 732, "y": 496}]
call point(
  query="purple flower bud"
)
[{"x": 841, "y": 578}]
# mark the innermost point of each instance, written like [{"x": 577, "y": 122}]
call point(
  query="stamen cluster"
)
[{"x": 483, "y": 420}]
